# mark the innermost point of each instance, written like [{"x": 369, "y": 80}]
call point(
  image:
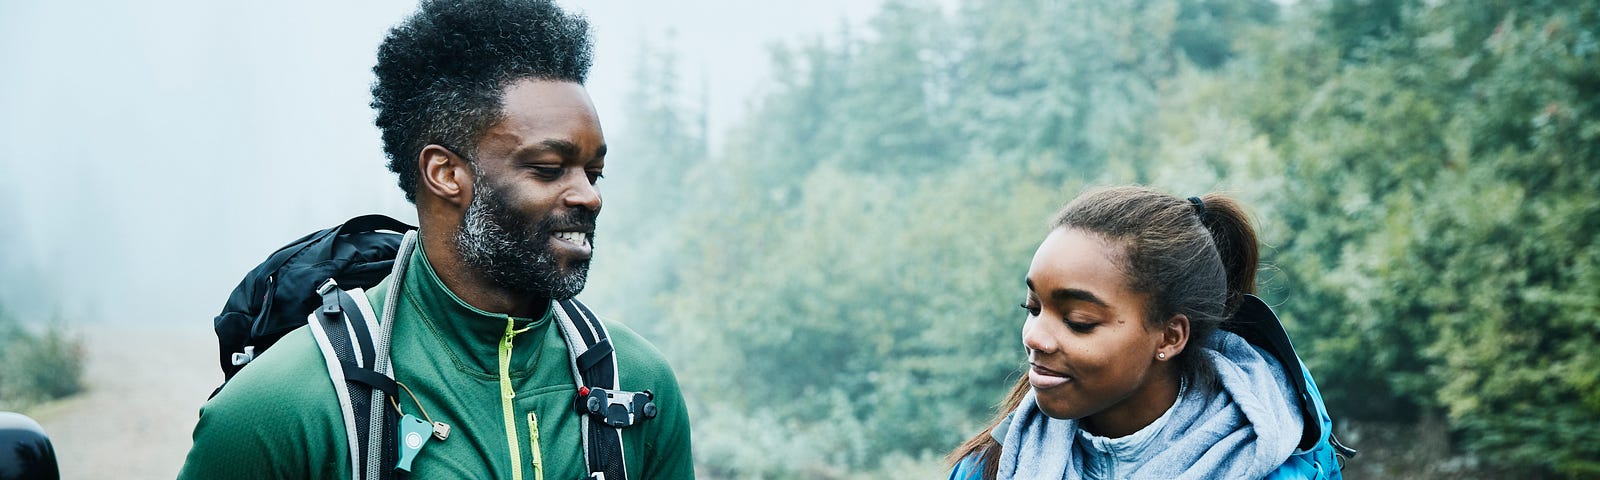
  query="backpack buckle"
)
[
  {"x": 1341, "y": 451},
  {"x": 616, "y": 408},
  {"x": 241, "y": 358},
  {"x": 328, "y": 290},
  {"x": 327, "y": 286}
]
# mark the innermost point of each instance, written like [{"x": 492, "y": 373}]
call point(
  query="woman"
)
[{"x": 1129, "y": 376}]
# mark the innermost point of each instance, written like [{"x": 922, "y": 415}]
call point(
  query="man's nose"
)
[{"x": 581, "y": 193}]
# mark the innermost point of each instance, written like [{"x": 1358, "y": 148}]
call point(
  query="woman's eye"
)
[
  {"x": 1080, "y": 327},
  {"x": 1033, "y": 310},
  {"x": 595, "y": 176}
]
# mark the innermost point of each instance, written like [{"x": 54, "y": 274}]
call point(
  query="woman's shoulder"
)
[{"x": 969, "y": 468}]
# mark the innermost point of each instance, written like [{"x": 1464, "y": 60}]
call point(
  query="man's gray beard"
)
[{"x": 515, "y": 255}]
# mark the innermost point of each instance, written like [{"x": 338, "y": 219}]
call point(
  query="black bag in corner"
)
[{"x": 276, "y": 296}]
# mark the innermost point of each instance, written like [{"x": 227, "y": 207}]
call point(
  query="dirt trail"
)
[{"x": 145, "y": 386}]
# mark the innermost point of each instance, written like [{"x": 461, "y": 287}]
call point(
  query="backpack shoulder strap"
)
[
  {"x": 343, "y": 327},
  {"x": 1257, "y": 324},
  {"x": 594, "y": 364}
]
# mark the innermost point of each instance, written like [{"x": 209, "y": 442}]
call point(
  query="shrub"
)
[{"x": 38, "y": 364}]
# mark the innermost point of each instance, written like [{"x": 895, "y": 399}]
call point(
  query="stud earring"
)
[{"x": 1162, "y": 355}]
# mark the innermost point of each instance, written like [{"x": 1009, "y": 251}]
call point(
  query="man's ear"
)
[
  {"x": 444, "y": 175},
  {"x": 1174, "y": 337}
]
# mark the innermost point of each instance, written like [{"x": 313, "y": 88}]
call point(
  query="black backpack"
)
[
  {"x": 275, "y": 297},
  {"x": 318, "y": 281}
]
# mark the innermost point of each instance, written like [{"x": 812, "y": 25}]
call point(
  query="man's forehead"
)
[
  {"x": 537, "y": 95},
  {"x": 547, "y": 115}
]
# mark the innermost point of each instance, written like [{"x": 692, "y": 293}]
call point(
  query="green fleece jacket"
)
[{"x": 279, "y": 417}]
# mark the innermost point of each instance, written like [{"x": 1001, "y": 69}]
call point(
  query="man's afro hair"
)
[{"x": 442, "y": 72}]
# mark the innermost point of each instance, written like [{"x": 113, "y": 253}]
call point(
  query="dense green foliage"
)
[
  {"x": 837, "y": 286},
  {"x": 1443, "y": 210}
]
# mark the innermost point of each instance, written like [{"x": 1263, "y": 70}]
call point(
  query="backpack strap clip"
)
[
  {"x": 615, "y": 408},
  {"x": 1341, "y": 450}
]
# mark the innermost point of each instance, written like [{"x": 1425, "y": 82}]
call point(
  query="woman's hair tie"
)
[{"x": 1199, "y": 207}]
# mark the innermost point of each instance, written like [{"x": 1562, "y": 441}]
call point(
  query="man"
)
[{"x": 487, "y": 123}]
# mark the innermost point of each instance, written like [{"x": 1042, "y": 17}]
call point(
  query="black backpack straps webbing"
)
[
  {"x": 1256, "y": 324},
  {"x": 594, "y": 364},
  {"x": 373, "y": 223},
  {"x": 343, "y": 330},
  {"x": 357, "y": 322}
]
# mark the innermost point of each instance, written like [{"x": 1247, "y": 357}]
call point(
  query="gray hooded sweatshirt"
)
[{"x": 1245, "y": 430}]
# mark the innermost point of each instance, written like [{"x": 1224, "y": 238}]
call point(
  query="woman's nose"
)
[{"x": 1034, "y": 337}]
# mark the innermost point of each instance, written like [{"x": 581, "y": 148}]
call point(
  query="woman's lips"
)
[{"x": 1043, "y": 378}]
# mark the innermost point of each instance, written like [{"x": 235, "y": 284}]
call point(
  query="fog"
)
[
  {"x": 152, "y": 152},
  {"x": 851, "y": 249}
]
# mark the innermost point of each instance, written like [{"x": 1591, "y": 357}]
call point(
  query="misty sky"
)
[{"x": 152, "y": 152}]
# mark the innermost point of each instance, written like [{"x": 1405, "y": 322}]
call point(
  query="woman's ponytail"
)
[{"x": 1235, "y": 239}]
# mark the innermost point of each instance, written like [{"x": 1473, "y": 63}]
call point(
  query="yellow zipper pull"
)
[
  {"x": 533, "y": 440},
  {"x": 506, "y": 395}
]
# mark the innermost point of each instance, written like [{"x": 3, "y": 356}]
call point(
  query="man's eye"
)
[
  {"x": 548, "y": 172},
  {"x": 595, "y": 176}
]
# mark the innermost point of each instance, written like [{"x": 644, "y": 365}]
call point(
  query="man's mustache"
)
[{"x": 578, "y": 219}]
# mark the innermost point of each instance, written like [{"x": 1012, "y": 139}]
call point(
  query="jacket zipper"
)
[
  {"x": 507, "y": 394},
  {"x": 533, "y": 440}
]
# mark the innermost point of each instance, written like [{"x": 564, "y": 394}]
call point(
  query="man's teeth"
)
[{"x": 579, "y": 238}]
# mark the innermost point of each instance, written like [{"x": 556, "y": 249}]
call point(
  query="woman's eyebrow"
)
[
  {"x": 1070, "y": 294},
  {"x": 1076, "y": 294}
]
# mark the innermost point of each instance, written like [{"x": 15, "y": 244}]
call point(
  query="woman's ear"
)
[
  {"x": 444, "y": 175},
  {"x": 1174, "y": 337}
]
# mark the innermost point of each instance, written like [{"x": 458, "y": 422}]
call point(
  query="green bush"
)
[{"x": 38, "y": 366}]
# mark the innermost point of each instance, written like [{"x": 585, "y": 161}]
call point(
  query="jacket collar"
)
[{"x": 471, "y": 335}]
